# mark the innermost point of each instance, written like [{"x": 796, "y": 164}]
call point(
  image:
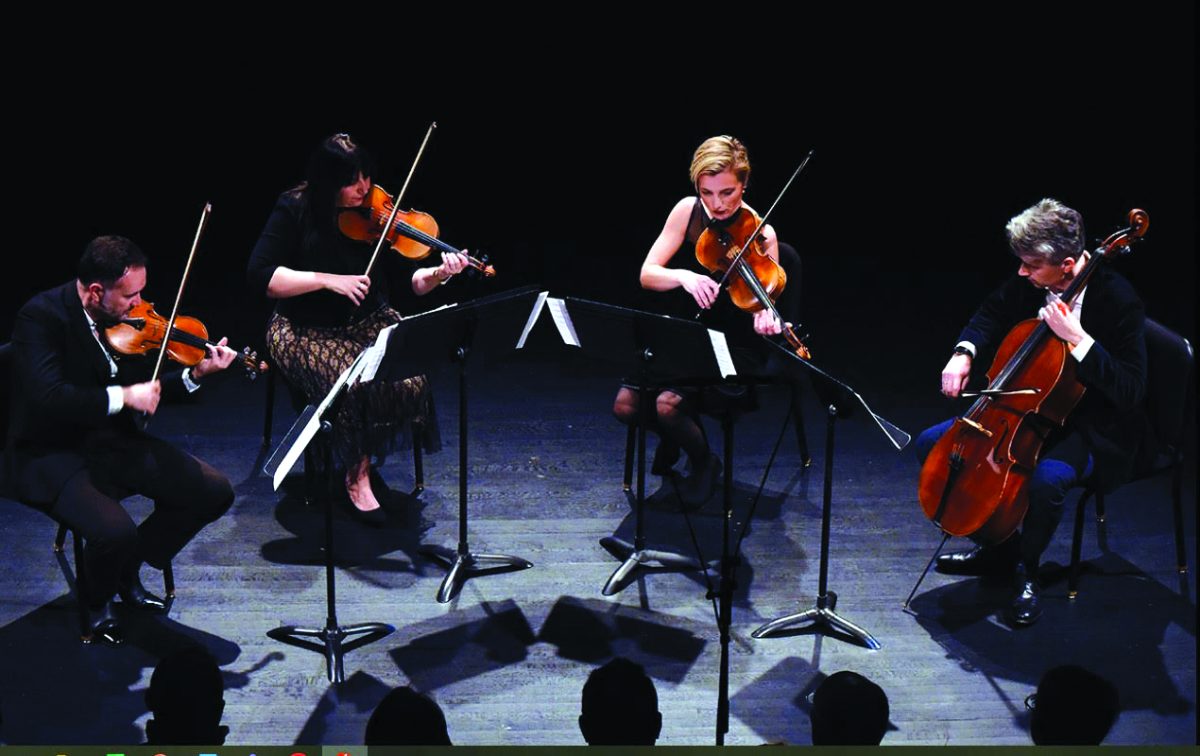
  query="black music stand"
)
[
  {"x": 452, "y": 334},
  {"x": 841, "y": 402},
  {"x": 655, "y": 350},
  {"x": 334, "y": 637}
]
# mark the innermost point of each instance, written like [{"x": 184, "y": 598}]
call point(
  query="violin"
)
[
  {"x": 413, "y": 233},
  {"x": 142, "y": 331},
  {"x": 735, "y": 251},
  {"x": 973, "y": 482}
]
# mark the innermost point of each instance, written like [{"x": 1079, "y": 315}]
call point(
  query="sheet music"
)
[
  {"x": 309, "y": 423},
  {"x": 721, "y": 352},
  {"x": 373, "y": 355},
  {"x": 533, "y": 316},
  {"x": 562, "y": 319}
]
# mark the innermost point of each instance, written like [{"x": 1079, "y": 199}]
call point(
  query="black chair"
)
[
  {"x": 1170, "y": 396},
  {"x": 80, "y": 576},
  {"x": 794, "y": 408}
]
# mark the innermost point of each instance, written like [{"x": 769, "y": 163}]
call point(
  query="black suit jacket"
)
[
  {"x": 59, "y": 401},
  {"x": 1110, "y": 417}
]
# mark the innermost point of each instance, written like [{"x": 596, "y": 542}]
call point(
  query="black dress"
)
[{"x": 314, "y": 337}]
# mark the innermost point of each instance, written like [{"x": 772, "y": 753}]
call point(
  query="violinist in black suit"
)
[
  {"x": 1106, "y": 432},
  {"x": 75, "y": 447}
]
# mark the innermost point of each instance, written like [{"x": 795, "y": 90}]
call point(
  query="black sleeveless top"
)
[{"x": 738, "y": 326}]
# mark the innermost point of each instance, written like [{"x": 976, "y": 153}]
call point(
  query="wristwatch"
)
[{"x": 960, "y": 349}]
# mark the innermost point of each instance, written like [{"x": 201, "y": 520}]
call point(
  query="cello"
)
[{"x": 973, "y": 482}]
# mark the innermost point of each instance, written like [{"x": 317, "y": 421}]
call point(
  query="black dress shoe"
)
[
  {"x": 132, "y": 592},
  {"x": 105, "y": 628},
  {"x": 981, "y": 560},
  {"x": 1025, "y": 608}
]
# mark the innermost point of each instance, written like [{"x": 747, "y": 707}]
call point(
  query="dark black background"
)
[{"x": 561, "y": 154}]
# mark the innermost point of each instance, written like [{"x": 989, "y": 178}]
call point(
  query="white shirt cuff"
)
[
  {"x": 116, "y": 399},
  {"x": 1081, "y": 349},
  {"x": 188, "y": 382}
]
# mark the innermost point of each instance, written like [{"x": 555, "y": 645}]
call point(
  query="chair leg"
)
[
  {"x": 1076, "y": 544},
  {"x": 310, "y": 475},
  {"x": 1100, "y": 513},
  {"x": 269, "y": 412},
  {"x": 81, "y": 586},
  {"x": 169, "y": 581},
  {"x": 418, "y": 460},
  {"x": 1177, "y": 504},
  {"x": 630, "y": 437},
  {"x": 798, "y": 420},
  {"x": 60, "y": 538}
]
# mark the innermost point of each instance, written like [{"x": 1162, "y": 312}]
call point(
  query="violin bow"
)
[
  {"x": 162, "y": 352},
  {"x": 763, "y": 221},
  {"x": 399, "y": 196}
]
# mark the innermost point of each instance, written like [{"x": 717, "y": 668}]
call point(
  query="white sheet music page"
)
[
  {"x": 562, "y": 319},
  {"x": 721, "y": 352},
  {"x": 373, "y": 355},
  {"x": 533, "y": 316}
]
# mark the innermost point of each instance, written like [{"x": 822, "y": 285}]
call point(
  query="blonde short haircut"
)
[{"x": 719, "y": 154}]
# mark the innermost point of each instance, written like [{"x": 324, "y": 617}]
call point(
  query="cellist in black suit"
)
[{"x": 1106, "y": 432}]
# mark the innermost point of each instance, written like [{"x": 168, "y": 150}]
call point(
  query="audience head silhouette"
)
[
  {"x": 848, "y": 709},
  {"x": 1072, "y": 706},
  {"x": 405, "y": 717},
  {"x": 186, "y": 699},
  {"x": 620, "y": 706}
]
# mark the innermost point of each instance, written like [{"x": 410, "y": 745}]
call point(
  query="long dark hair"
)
[{"x": 334, "y": 164}]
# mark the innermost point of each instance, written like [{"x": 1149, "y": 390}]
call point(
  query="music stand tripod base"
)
[
  {"x": 335, "y": 641},
  {"x": 632, "y": 558},
  {"x": 823, "y": 614},
  {"x": 464, "y": 565}
]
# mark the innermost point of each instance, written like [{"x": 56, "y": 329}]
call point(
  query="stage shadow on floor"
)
[
  {"x": 1115, "y": 627},
  {"x": 342, "y": 713},
  {"x": 58, "y": 690},
  {"x": 593, "y": 631},
  {"x": 362, "y": 549},
  {"x": 699, "y": 535},
  {"x": 777, "y": 704},
  {"x": 465, "y": 645}
]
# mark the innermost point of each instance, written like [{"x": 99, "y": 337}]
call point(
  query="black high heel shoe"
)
[{"x": 374, "y": 517}]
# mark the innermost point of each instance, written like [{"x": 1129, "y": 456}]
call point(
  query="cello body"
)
[{"x": 974, "y": 481}]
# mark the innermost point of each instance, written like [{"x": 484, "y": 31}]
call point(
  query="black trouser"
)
[{"x": 187, "y": 493}]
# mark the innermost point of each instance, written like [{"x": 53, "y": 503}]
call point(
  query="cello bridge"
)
[{"x": 977, "y": 426}]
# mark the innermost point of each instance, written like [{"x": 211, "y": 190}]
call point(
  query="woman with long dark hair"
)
[{"x": 329, "y": 311}]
